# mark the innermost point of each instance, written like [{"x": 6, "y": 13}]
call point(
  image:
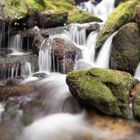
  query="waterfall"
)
[
  {"x": 44, "y": 59},
  {"x": 104, "y": 8},
  {"x": 89, "y": 7},
  {"x": 137, "y": 72},
  {"x": 101, "y": 10},
  {"x": 8, "y": 71},
  {"x": 16, "y": 45},
  {"x": 88, "y": 52},
  {"x": 1, "y": 110},
  {"x": 78, "y": 34},
  {"x": 89, "y": 49},
  {"x": 59, "y": 124},
  {"x": 29, "y": 68},
  {"x": 104, "y": 54},
  {"x": 26, "y": 69}
]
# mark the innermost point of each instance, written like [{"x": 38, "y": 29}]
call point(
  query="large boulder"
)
[
  {"x": 125, "y": 54},
  {"x": 102, "y": 89},
  {"x": 123, "y": 14}
]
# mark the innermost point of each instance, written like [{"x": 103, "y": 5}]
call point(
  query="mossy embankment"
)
[{"x": 20, "y": 9}]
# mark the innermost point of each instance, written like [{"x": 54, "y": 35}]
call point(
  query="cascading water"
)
[
  {"x": 101, "y": 10},
  {"x": 88, "y": 52},
  {"x": 77, "y": 34},
  {"x": 104, "y": 54},
  {"x": 1, "y": 110},
  {"x": 53, "y": 106},
  {"x": 16, "y": 45},
  {"x": 89, "y": 49},
  {"x": 56, "y": 98},
  {"x": 26, "y": 69},
  {"x": 44, "y": 59},
  {"x": 137, "y": 72},
  {"x": 104, "y": 8}
]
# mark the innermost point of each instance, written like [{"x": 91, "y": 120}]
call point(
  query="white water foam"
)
[
  {"x": 137, "y": 73},
  {"x": 101, "y": 10},
  {"x": 104, "y": 9},
  {"x": 61, "y": 126}
]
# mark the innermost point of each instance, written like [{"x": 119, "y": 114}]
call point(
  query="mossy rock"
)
[
  {"x": 136, "y": 109},
  {"x": 74, "y": 14},
  {"x": 125, "y": 53},
  {"x": 26, "y": 9},
  {"x": 102, "y": 89},
  {"x": 78, "y": 16},
  {"x": 123, "y": 14}
]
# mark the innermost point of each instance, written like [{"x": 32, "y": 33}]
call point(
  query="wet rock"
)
[
  {"x": 37, "y": 41},
  {"x": 64, "y": 53},
  {"x": 33, "y": 38},
  {"x": 9, "y": 91},
  {"x": 14, "y": 81},
  {"x": 66, "y": 65},
  {"x": 120, "y": 16},
  {"x": 47, "y": 20},
  {"x": 14, "y": 66},
  {"x": 40, "y": 75},
  {"x": 44, "y": 19},
  {"x": 92, "y": 27},
  {"x": 125, "y": 54},
  {"x": 102, "y": 89}
]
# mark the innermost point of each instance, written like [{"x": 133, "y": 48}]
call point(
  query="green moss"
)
[
  {"x": 18, "y": 8},
  {"x": 58, "y": 18},
  {"x": 103, "y": 89},
  {"x": 109, "y": 76},
  {"x": 122, "y": 15},
  {"x": 137, "y": 112},
  {"x": 27, "y": 119},
  {"x": 60, "y": 5},
  {"x": 77, "y": 16}
]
